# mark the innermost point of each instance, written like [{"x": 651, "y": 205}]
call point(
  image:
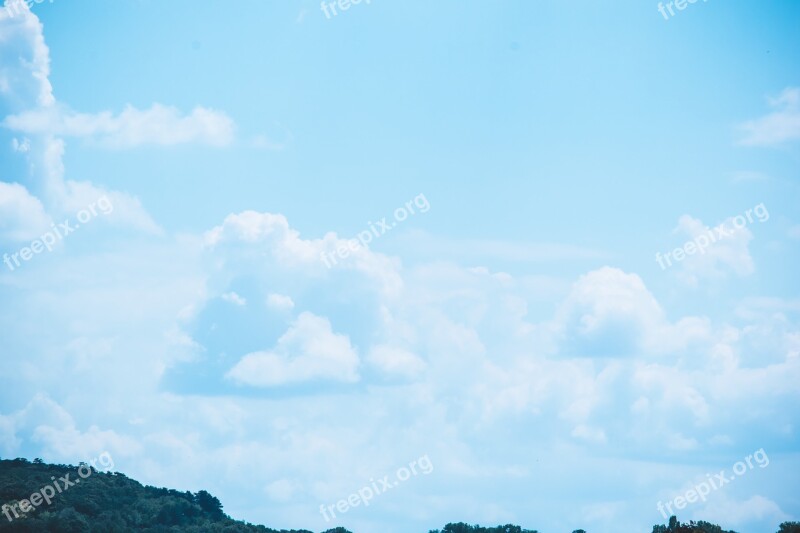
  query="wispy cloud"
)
[
  {"x": 778, "y": 127},
  {"x": 158, "y": 125}
]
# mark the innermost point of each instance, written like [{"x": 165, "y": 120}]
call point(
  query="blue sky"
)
[{"x": 516, "y": 328}]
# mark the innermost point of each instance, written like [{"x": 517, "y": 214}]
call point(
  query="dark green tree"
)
[{"x": 209, "y": 504}]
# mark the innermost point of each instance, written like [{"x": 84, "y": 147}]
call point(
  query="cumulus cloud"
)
[
  {"x": 611, "y": 313},
  {"x": 24, "y": 62},
  {"x": 778, "y": 127},
  {"x": 46, "y": 422},
  {"x": 308, "y": 351},
  {"x": 252, "y": 232},
  {"x": 22, "y": 216}
]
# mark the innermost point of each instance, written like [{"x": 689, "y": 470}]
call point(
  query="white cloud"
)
[
  {"x": 72, "y": 196},
  {"x": 394, "y": 361},
  {"x": 728, "y": 254},
  {"x": 22, "y": 216},
  {"x": 609, "y": 299},
  {"x": 611, "y": 313},
  {"x": 234, "y": 298},
  {"x": 158, "y": 125},
  {"x": 778, "y": 127},
  {"x": 24, "y": 62},
  {"x": 63, "y": 198},
  {"x": 485, "y": 373},
  {"x": 280, "y": 302},
  {"x": 250, "y": 231},
  {"x": 49, "y": 424},
  {"x": 24, "y": 71},
  {"x": 308, "y": 351}
]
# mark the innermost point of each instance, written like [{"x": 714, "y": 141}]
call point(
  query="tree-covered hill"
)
[
  {"x": 82, "y": 499},
  {"x": 107, "y": 503}
]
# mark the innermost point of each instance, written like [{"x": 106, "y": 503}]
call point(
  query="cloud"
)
[
  {"x": 64, "y": 198},
  {"x": 308, "y": 351},
  {"x": 252, "y": 227},
  {"x": 24, "y": 62},
  {"x": 487, "y": 372},
  {"x": 21, "y": 146},
  {"x": 159, "y": 125},
  {"x": 46, "y": 422},
  {"x": 778, "y": 127},
  {"x": 393, "y": 361},
  {"x": 279, "y": 302},
  {"x": 728, "y": 254},
  {"x": 254, "y": 234},
  {"x": 234, "y": 298},
  {"x": 24, "y": 72},
  {"x": 609, "y": 310},
  {"x": 611, "y": 313},
  {"x": 22, "y": 216}
]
